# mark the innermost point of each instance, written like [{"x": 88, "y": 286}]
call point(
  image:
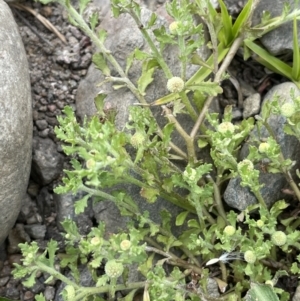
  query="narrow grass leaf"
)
[
  {"x": 227, "y": 24},
  {"x": 296, "y": 54},
  {"x": 242, "y": 19},
  {"x": 211, "y": 10},
  {"x": 204, "y": 72},
  {"x": 269, "y": 61}
]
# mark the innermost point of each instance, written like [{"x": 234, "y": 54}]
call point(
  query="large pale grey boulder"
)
[{"x": 15, "y": 121}]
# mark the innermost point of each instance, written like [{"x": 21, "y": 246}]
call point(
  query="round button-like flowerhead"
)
[
  {"x": 249, "y": 256},
  {"x": 288, "y": 109},
  {"x": 260, "y": 223},
  {"x": 125, "y": 244},
  {"x": 263, "y": 147},
  {"x": 278, "y": 238},
  {"x": 137, "y": 139},
  {"x": 95, "y": 241},
  {"x": 90, "y": 163},
  {"x": 113, "y": 269},
  {"x": 173, "y": 27},
  {"x": 229, "y": 230},
  {"x": 175, "y": 84},
  {"x": 225, "y": 127}
]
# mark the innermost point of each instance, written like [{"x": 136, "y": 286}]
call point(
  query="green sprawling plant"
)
[{"x": 244, "y": 253}]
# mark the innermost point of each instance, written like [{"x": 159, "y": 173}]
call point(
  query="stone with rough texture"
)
[
  {"x": 251, "y": 105},
  {"x": 280, "y": 40},
  {"x": 47, "y": 163},
  {"x": 15, "y": 121},
  {"x": 240, "y": 197},
  {"x": 65, "y": 209}
]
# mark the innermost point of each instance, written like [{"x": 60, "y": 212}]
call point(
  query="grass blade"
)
[
  {"x": 204, "y": 72},
  {"x": 269, "y": 61},
  {"x": 296, "y": 54},
  {"x": 227, "y": 24},
  {"x": 242, "y": 19}
]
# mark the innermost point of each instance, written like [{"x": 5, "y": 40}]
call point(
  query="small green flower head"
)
[
  {"x": 125, "y": 244},
  {"x": 190, "y": 174},
  {"x": 175, "y": 84},
  {"x": 113, "y": 269},
  {"x": 95, "y": 241},
  {"x": 263, "y": 147},
  {"x": 226, "y": 127},
  {"x": 173, "y": 27},
  {"x": 249, "y": 256},
  {"x": 246, "y": 163},
  {"x": 260, "y": 223},
  {"x": 29, "y": 259},
  {"x": 90, "y": 163},
  {"x": 278, "y": 238},
  {"x": 229, "y": 230},
  {"x": 137, "y": 139},
  {"x": 288, "y": 109}
]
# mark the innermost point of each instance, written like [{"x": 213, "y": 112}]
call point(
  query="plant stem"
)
[
  {"x": 223, "y": 271},
  {"x": 295, "y": 224},
  {"x": 184, "y": 249},
  {"x": 231, "y": 53},
  {"x": 56, "y": 274},
  {"x": 277, "y": 21},
  {"x": 88, "y": 291},
  {"x": 151, "y": 44},
  {"x": 168, "y": 197},
  {"x": 293, "y": 185},
  {"x": 188, "y": 140},
  {"x": 259, "y": 198},
  {"x": 188, "y": 105},
  {"x": 174, "y": 260},
  {"x": 214, "y": 41},
  {"x": 210, "y": 219},
  {"x": 109, "y": 197},
  {"x": 217, "y": 198}
]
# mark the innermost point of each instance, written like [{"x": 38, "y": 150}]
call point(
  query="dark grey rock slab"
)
[{"x": 47, "y": 162}]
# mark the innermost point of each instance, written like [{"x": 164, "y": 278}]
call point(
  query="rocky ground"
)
[{"x": 56, "y": 69}]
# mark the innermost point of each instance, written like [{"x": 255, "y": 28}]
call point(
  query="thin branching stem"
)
[
  {"x": 217, "y": 198},
  {"x": 185, "y": 100},
  {"x": 183, "y": 248},
  {"x": 231, "y": 53},
  {"x": 188, "y": 140},
  {"x": 151, "y": 44}
]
